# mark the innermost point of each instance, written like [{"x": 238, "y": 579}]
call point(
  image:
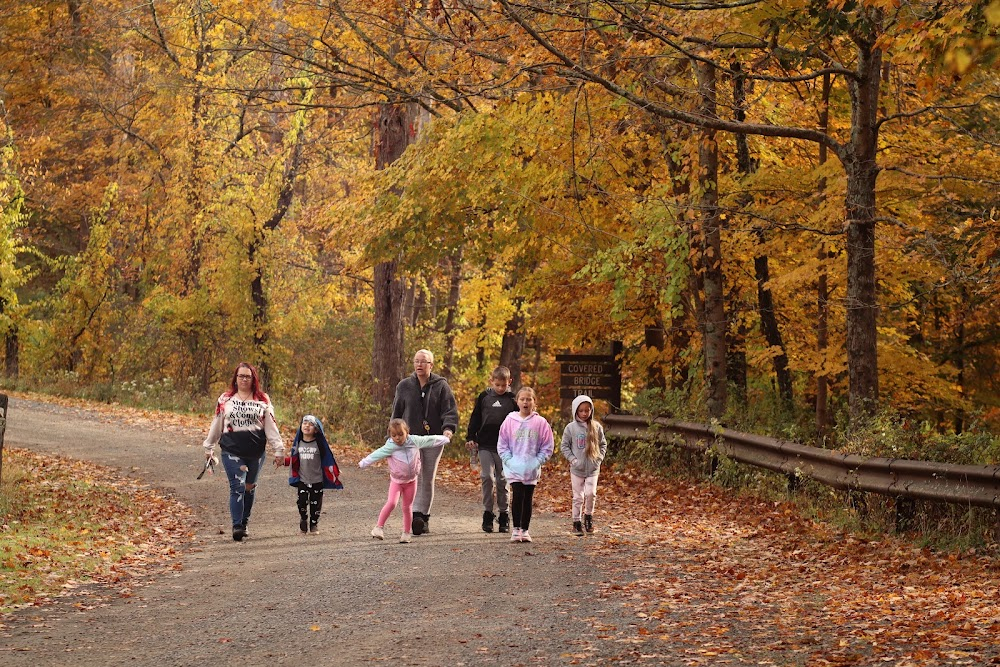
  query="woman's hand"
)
[{"x": 279, "y": 460}]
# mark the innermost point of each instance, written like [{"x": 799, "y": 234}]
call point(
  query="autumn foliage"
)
[
  {"x": 67, "y": 524},
  {"x": 789, "y": 204}
]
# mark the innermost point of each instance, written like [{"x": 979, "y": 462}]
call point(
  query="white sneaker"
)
[
  {"x": 378, "y": 533},
  {"x": 525, "y": 537},
  {"x": 515, "y": 535},
  {"x": 405, "y": 538}
]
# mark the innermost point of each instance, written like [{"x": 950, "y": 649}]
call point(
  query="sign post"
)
[{"x": 596, "y": 375}]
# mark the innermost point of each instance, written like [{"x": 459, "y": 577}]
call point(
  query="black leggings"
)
[
  {"x": 311, "y": 496},
  {"x": 520, "y": 503}
]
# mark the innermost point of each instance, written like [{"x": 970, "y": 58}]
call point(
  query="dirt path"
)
[
  {"x": 457, "y": 596},
  {"x": 681, "y": 574}
]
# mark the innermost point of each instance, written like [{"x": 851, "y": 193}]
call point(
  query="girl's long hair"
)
[{"x": 593, "y": 450}]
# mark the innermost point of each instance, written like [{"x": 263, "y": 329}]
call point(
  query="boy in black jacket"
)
[{"x": 492, "y": 407}]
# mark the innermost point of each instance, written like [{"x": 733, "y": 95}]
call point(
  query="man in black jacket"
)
[{"x": 427, "y": 403}]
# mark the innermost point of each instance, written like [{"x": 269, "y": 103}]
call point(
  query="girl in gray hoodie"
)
[{"x": 584, "y": 446}]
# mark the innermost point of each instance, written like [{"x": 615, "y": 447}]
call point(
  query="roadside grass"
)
[{"x": 64, "y": 524}]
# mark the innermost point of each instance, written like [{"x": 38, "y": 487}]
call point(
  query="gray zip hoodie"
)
[{"x": 574, "y": 443}]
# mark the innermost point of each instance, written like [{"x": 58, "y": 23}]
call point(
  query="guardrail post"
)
[
  {"x": 905, "y": 508},
  {"x": 793, "y": 482},
  {"x": 3, "y": 427}
]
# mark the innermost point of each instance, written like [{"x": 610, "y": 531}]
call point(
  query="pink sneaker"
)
[
  {"x": 515, "y": 535},
  {"x": 525, "y": 537}
]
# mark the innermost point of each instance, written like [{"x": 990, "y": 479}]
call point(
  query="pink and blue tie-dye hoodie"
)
[
  {"x": 525, "y": 443},
  {"x": 404, "y": 459}
]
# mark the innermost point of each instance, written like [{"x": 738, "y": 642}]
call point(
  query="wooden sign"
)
[{"x": 596, "y": 375}]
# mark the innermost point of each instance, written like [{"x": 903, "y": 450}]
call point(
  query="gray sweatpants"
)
[
  {"x": 491, "y": 474},
  {"x": 429, "y": 458}
]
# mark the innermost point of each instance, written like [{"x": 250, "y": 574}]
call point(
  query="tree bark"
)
[
  {"x": 711, "y": 224},
  {"x": 655, "y": 339},
  {"x": 512, "y": 347},
  {"x": 862, "y": 170},
  {"x": 394, "y": 130},
  {"x": 762, "y": 272},
  {"x": 12, "y": 356},
  {"x": 769, "y": 326},
  {"x": 454, "y": 294},
  {"x": 823, "y": 292}
]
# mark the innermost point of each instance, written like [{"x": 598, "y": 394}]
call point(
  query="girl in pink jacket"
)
[
  {"x": 402, "y": 450},
  {"x": 525, "y": 443}
]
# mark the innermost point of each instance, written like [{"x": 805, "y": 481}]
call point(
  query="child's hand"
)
[{"x": 471, "y": 445}]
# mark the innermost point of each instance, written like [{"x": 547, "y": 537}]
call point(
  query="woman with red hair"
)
[{"x": 244, "y": 425}]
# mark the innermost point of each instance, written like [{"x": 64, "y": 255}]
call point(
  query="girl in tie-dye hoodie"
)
[
  {"x": 525, "y": 443},
  {"x": 403, "y": 452}
]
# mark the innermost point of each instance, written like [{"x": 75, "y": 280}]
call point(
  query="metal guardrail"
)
[{"x": 899, "y": 478}]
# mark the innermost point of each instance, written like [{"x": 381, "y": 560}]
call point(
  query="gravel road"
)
[{"x": 455, "y": 597}]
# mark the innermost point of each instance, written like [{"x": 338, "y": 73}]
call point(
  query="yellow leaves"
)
[{"x": 992, "y": 12}]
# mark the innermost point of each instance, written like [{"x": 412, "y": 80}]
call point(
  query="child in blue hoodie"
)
[{"x": 313, "y": 469}]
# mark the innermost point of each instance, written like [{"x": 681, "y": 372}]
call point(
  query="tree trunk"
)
[
  {"x": 765, "y": 299},
  {"x": 682, "y": 325},
  {"x": 769, "y": 326},
  {"x": 959, "y": 361},
  {"x": 387, "y": 346},
  {"x": 512, "y": 347},
  {"x": 711, "y": 224},
  {"x": 655, "y": 340},
  {"x": 862, "y": 171},
  {"x": 394, "y": 130},
  {"x": 823, "y": 293},
  {"x": 12, "y": 357},
  {"x": 454, "y": 294}
]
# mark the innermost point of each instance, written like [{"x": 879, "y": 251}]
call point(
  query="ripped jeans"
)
[{"x": 242, "y": 473}]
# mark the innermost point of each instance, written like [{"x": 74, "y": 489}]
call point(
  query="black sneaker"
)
[
  {"x": 419, "y": 525},
  {"x": 313, "y": 528},
  {"x": 488, "y": 522},
  {"x": 588, "y": 522},
  {"x": 239, "y": 532},
  {"x": 578, "y": 528},
  {"x": 303, "y": 525},
  {"x": 504, "y": 522}
]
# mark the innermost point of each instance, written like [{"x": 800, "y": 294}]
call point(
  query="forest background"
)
[{"x": 785, "y": 210}]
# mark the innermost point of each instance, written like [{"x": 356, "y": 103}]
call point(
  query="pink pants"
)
[
  {"x": 397, "y": 490},
  {"x": 584, "y": 495}
]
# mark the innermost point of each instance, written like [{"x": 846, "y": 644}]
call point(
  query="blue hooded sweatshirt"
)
[{"x": 331, "y": 472}]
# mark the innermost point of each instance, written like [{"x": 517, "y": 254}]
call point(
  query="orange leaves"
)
[
  {"x": 77, "y": 522},
  {"x": 716, "y": 578}
]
